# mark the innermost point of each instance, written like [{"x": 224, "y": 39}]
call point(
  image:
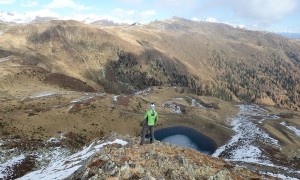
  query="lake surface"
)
[{"x": 186, "y": 137}]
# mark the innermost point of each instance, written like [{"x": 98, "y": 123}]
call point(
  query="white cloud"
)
[
  {"x": 89, "y": 18},
  {"x": 148, "y": 13},
  {"x": 123, "y": 12},
  {"x": 7, "y": 1},
  {"x": 265, "y": 9},
  {"x": 66, "y": 4},
  {"x": 29, "y": 3},
  {"x": 176, "y": 4},
  {"x": 132, "y": 2},
  {"x": 42, "y": 13},
  {"x": 259, "y": 10}
]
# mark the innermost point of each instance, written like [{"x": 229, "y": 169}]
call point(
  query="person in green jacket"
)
[{"x": 149, "y": 120}]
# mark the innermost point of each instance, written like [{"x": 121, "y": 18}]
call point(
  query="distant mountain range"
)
[
  {"x": 15, "y": 18},
  {"x": 12, "y": 17}
]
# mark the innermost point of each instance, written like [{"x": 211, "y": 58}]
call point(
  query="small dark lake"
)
[{"x": 186, "y": 137}]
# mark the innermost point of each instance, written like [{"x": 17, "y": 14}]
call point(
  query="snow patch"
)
[
  {"x": 171, "y": 105},
  {"x": 281, "y": 176},
  {"x": 5, "y": 59},
  {"x": 65, "y": 167},
  {"x": 241, "y": 145},
  {"x": 181, "y": 99},
  {"x": 70, "y": 107},
  {"x": 81, "y": 99},
  {"x": 211, "y": 19},
  {"x": 195, "y": 103},
  {"x": 41, "y": 94},
  {"x": 14, "y": 17},
  {"x": 87, "y": 96},
  {"x": 41, "y": 156},
  {"x": 144, "y": 92},
  {"x": 115, "y": 98},
  {"x": 5, "y": 167},
  {"x": 291, "y": 128},
  {"x": 56, "y": 139}
]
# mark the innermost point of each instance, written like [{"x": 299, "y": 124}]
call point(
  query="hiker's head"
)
[{"x": 152, "y": 106}]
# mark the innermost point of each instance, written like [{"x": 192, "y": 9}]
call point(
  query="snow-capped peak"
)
[
  {"x": 12, "y": 17},
  {"x": 46, "y": 15}
]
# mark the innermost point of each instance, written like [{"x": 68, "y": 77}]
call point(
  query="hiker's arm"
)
[{"x": 145, "y": 116}]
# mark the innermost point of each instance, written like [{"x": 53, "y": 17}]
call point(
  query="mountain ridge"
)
[{"x": 209, "y": 58}]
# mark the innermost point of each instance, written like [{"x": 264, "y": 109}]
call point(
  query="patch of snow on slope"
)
[
  {"x": 144, "y": 92},
  {"x": 42, "y": 155},
  {"x": 87, "y": 96},
  {"x": 65, "y": 167},
  {"x": 292, "y": 128},
  {"x": 56, "y": 139},
  {"x": 42, "y": 94},
  {"x": 5, "y": 167},
  {"x": 195, "y": 103},
  {"x": 115, "y": 98},
  {"x": 279, "y": 176},
  {"x": 15, "y": 17},
  {"x": 174, "y": 107},
  {"x": 5, "y": 59},
  {"x": 242, "y": 147}
]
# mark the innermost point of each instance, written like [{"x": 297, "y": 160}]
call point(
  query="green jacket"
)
[{"x": 151, "y": 117}]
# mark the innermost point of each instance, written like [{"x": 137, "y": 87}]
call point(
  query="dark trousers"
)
[{"x": 146, "y": 127}]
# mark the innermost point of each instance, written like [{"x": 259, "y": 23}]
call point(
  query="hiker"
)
[{"x": 149, "y": 120}]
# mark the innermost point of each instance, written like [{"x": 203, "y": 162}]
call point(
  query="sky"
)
[{"x": 269, "y": 15}]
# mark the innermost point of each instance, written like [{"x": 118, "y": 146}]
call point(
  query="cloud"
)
[
  {"x": 123, "y": 12},
  {"x": 148, "y": 13},
  {"x": 260, "y": 10},
  {"x": 89, "y": 18},
  {"x": 7, "y": 1},
  {"x": 131, "y": 2},
  {"x": 265, "y": 9},
  {"x": 56, "y": 4},
  {"x": 176, "y": 4},
  {"x": 42, "y": 13},
  {"x": 29, "y": 3}
]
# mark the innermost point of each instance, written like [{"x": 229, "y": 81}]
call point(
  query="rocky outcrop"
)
[{"x": 157, "y": 161}]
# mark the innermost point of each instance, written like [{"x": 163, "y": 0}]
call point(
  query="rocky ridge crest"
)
[{"x": 157, "y": 161}]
